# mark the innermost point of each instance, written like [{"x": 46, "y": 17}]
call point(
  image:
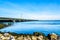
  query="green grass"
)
[{"x": 3, "y": 26}]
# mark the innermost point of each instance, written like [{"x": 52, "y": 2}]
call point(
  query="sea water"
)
[{"x": 46, "y": 27}]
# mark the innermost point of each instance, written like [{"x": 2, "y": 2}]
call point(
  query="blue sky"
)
[{"x": 30, "y": 9}]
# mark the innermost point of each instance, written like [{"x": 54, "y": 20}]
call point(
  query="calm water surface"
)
[{"x": 45, "y": 27}]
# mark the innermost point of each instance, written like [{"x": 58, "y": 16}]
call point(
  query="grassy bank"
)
[{"x": 3, "y": 26}]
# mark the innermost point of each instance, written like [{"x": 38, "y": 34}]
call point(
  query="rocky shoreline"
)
[{"x": 34, "y": 36}]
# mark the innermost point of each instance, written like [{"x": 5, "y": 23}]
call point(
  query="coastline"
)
[{"x": 34, "y": 36}]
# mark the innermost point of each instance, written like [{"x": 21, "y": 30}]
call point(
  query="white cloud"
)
[
  {"x": 41, "y": 17},
  {"x": 18, "y": 11},
  {"x": 27, "y": 15}
]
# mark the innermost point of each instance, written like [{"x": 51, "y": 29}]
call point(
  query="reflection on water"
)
[
  {"x": 7, "y": 23},
  {"x": 34, "y": 26}
]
